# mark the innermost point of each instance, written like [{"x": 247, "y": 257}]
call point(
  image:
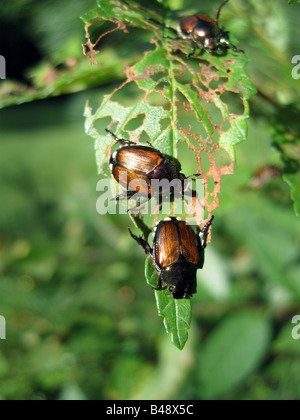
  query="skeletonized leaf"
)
[{"x": 167, "y": 99}]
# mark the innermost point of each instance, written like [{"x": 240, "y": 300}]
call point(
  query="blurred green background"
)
[{"x": 81, "y": 321}]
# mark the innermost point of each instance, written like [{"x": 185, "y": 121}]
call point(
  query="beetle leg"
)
[
  {"x": 204, "y": 232},
  {"x": 188, "y": 192},
  {"x": 194, "y": 175},
  {"x": 193, "y": 46},
  {"x": 225, "y": 44},
  {"x": 141, "y": 203},
  {"x": 124, "y": 196},
  {"x": 156, "y": 22},
  {"x": 201, "y": 240},
  {"x": 144, "y": 244},
  {"x": 174, "y": 39},
  {"x": 159, "y": 285},
  {"x": 234, "y": 48}
]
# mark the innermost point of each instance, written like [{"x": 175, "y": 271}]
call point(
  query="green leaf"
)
[
  {"x": 120, "y": 14},
  {"x": 232, "y": 353},
  {"x": 177, "y": 313},
  {"x": 168, "y": 97},
  {"x": 287, "y": 140},
  {"x": 47, "y": 80},
  {"x": 294, "y": 182},
  {"x": 285, "y": 343}
]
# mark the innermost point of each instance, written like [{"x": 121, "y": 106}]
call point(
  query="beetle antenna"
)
[
  {"x": 234, "y": 48},
  {"x": 118, "y": 140},
  {"x": 219, "y": 10},
  {"x": 112, "y": 134}
]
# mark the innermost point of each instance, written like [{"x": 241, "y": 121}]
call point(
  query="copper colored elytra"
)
[
  {"x": 177, "y": 254},
  {"x": 133, "y": 162}
]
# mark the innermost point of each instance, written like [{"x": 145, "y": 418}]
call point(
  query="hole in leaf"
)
[
  {"x": 135, "y": 123},
  {"x": 195, "y": 142},
  {"x": 106, "y": 169},
  {"x": 216, "y": 137},
  {"x": 156, "y": 77},
  {"x": 144, "y": 138},
  {"x": 162, "y": 86},
  {"x": 187, "y": 159},
  {"x": 201, "y": 87},
  {"x": 156, "y": 99},
  {"x": 190, "y": 122},
  {"x": 226, "y": 125},
  {"x": 222, "y": 158},
  {"x": 234, "y": 103},
  {"x": 129, "y": 95},
  {"x": 205, "y": 162},
  {"x": 196, "y": 64},
  {"x": 185, "y": 78},
  {"x": 213, "y": 69},
  {"x": 210, "y": 185},
  {"x": 214, "y": 84},
  {"x": 98, "y": 28},
  {"x": 101, "y": 124},
  {"x": 214, "y": 113},
  {"x": 164, "y": 123},
  {"x": 225, "y": 157},
  {"x": 210, "y": 200},
  {"x": 123, "y": 42}
]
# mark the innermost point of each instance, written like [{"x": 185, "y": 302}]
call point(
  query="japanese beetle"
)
[
  {"x": 133, "y": 162},
  {"x": 177, "y": 254},
  {"x": 205, "y": 32}
]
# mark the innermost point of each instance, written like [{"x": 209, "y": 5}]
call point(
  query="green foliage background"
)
[{"x": 81, "y": 320}]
